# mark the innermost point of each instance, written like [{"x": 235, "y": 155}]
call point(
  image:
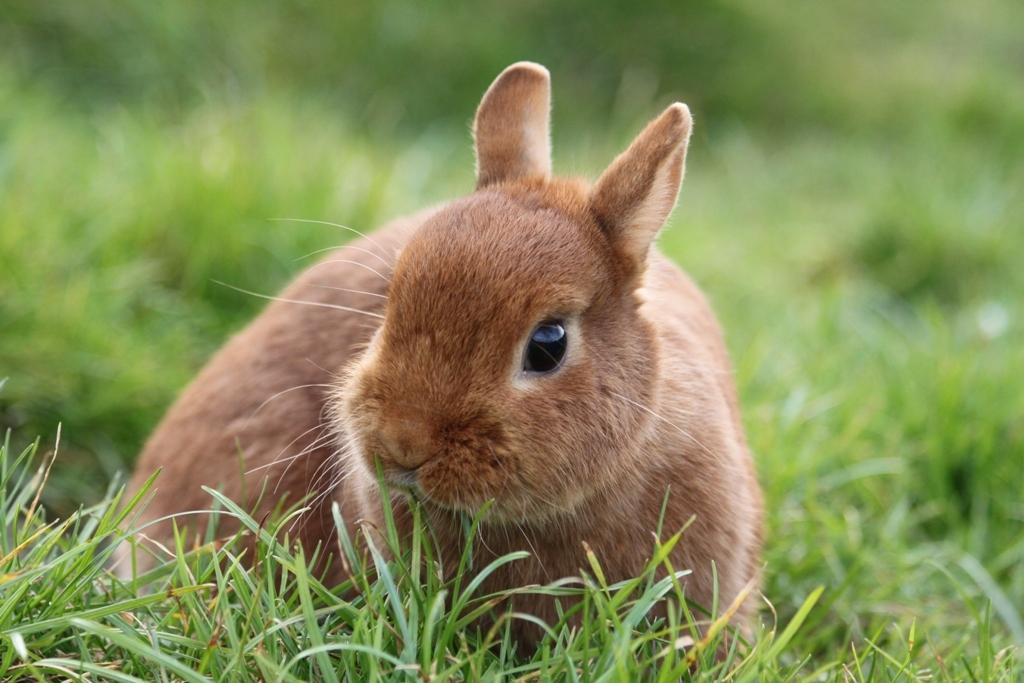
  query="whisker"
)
[
  {"x": 334, "y": 462},
  {"x": 540, "y": 561},
  {"x": 319, "y": 442},
  {"x": 339, "y": 247},
  {"x": 483, "y": 541},
  {"x": 282, "y": 393},
  {"x": 278, "y": 461},
  {"x": 352, "y": 291},
  {"x": 350, "y": 262},
  {"x": 287, "y": 446},
  {"x": 332, "y": 374},
  {"x": 334, "y": 225},
  {"x": 322, "y": 470},
  {"x": 321, "y": 304},
  {"x": 332, "y": 485},
  {"x": 666, "y": 421}
]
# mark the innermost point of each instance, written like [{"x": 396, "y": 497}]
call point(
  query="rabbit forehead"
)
[{"x": 496, "y": 261}]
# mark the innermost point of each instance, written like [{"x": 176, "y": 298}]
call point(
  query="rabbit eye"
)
[{"x": 546, "y": 347}]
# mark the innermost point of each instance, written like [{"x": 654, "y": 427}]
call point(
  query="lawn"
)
[{"x": 853, "y": 207}]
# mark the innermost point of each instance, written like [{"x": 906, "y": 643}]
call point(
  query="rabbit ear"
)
[
  {"x": 634, "y": 197},
  {"x": 512, "y": 126}
]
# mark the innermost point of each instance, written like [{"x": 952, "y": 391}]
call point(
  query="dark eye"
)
[{"x": 546, "y": 348}]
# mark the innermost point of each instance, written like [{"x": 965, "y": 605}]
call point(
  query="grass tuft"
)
[{"x": 204, "y": 615}]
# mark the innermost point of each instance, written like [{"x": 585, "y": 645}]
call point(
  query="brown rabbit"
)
[{"x": 525, "y": 344}]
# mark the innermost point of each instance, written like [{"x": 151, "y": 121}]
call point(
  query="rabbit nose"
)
[{"x": 405, "y": 442}]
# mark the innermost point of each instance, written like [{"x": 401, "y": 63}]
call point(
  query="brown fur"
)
[{"x": 643, "y": 404}]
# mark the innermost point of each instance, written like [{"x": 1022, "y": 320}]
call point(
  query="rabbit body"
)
[{"x": 408, "y": 352}]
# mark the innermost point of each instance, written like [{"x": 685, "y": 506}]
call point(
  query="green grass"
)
[
  {"x": 205, "y": 615},
  {"x": 852, "y": 206}
]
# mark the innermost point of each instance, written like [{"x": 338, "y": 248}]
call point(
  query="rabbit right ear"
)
[
  {"x": 512, "y": 126},
  {"x": 634, "y": 197}
]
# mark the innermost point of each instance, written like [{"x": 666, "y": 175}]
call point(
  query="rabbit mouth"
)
[
  {"x": 410, "y": 481},
  {"x": 433, "y": 484},
  {"x": 402, "y": 478},
  {"x": 460, "y": 482},
  {"x": 436, "y": 489}
]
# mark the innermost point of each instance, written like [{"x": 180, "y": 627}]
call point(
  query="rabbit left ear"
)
[
  {"x": 634, "y": 197},
  {"x": 512, "y": 126}
]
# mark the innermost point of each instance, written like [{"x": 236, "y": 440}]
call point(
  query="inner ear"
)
[
  {"x": 634, "y": 197},
  {"x": 511, "y": 131}
]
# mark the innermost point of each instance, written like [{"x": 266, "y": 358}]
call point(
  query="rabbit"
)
[{"x": 526, "y": 347}]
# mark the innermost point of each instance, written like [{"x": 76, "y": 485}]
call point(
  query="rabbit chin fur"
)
[{"x": 403, "y": 351}]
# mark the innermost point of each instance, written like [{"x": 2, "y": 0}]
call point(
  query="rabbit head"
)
[{"x": 513, "y": 363}]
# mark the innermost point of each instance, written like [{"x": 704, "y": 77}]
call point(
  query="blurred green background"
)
[{"x": 853, "y": 206}]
